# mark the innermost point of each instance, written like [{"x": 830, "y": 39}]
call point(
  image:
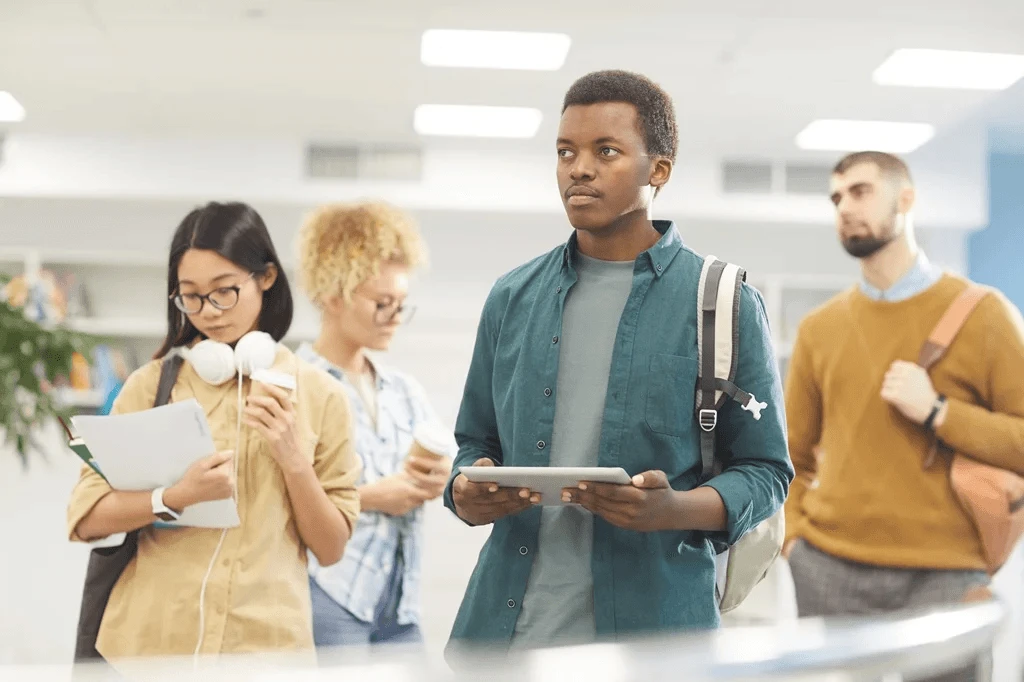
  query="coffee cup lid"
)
[{"x": 434, "y": 437}]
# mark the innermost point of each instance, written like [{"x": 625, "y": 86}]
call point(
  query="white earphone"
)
[{"x": 217, "y": 363}]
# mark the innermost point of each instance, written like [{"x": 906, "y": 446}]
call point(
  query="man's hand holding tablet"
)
[
  {"x": 481, "y": 503},
  {"x": 647, "y": 503}
]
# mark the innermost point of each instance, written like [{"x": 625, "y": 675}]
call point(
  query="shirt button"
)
[
  {"x": 554, "y": 339},
  {"x": 511, "y": 603},
  {"x": 659, "y": 268},
  {"x": 547, "y": 392},
  {"x": 559, "y": 290},
  {"x": 524, "y": 551},
  {"x": 541, "y": 445}
]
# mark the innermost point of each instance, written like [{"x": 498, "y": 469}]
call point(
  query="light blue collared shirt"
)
[
  {"x": 922, "y": 274},
  {"x": 360, "y": 578}
]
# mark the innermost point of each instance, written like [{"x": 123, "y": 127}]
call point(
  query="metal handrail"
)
[
  {"x": 924, "y": 642},
  {"x": 921, "y": 642}
]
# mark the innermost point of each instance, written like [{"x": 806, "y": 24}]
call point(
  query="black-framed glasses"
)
[{"x": 221, "y": 298}]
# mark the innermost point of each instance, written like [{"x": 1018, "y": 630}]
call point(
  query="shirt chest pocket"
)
[{"x": 671, "y": 392}]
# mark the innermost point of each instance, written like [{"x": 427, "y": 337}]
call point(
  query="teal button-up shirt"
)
[{"x": 642, "y": 581}]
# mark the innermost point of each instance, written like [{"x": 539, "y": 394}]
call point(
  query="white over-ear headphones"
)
[{"x": 216, "y": 363}]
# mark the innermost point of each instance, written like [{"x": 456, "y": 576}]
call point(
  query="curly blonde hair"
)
[{"x": 341, "y": 246}]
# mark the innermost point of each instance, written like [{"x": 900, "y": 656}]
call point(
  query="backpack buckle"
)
[{"x": 708, "y": 419}]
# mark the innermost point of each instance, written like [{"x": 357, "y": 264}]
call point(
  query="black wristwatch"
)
[{"x": 929, "y": 423}]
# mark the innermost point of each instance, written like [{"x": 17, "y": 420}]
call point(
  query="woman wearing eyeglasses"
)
[
  {"x": 356, "y": 261},
  {"x": 288, "y": 460}
]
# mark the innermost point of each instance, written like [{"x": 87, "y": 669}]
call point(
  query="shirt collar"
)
[
  {"x": 922, "y": 274},
  {"x": 309, "y": 354},
  {"x": 656, "y": 258}
]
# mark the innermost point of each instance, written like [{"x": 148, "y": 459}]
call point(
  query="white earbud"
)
[{"x": 216, "y": 363}]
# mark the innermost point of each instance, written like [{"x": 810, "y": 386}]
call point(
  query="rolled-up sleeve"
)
[
  {"x": 757, "y": 470},
  {"x": 138, "y": 394},
  {"x": 335, "y": 461}
]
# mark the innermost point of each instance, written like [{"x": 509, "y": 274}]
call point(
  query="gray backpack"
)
[{"x": 740, "y": 567}]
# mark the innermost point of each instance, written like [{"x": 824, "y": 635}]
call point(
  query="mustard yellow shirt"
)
[{"x": 257, "y": 597}]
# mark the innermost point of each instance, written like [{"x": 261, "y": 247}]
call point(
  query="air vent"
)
[
  {"x": 347, "y": 162},
  {"x": 740, "y": 177},
  {"x": 807, "y": 179},
  {"x": 324, "y": 161}
]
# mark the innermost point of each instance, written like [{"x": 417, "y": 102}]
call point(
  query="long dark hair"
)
[{"x": 236, "y": 232}]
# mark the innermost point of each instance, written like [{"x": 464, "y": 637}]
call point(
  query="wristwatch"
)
[
  {"x": 929, "y": 423},
  {"x": 161, "y": 510}
]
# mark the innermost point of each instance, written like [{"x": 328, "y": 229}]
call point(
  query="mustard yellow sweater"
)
[{"x": 866, "y": 497}]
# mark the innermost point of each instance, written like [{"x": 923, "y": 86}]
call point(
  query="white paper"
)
[{"x": 153, "y": 448}]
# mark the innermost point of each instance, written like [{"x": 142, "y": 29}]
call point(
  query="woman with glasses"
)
[
  {"x": 288, "y": 460},
  {"x": 356, "y": 261}
]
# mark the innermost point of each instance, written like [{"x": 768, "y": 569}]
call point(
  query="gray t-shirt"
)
[{"x": 558, "y": 607}]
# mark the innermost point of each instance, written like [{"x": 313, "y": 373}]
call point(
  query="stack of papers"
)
[{"x": 153, "y": 448}]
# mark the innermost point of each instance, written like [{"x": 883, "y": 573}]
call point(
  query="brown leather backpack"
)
[{"x": 992, "y": 497}]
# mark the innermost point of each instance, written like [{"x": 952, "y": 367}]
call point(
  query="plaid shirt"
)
[{"x": 360, "y": 578}]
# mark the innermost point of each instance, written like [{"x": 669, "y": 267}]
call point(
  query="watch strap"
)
[
  {"x": 161, "y": 510},
  {"x": 929, "y": 423}
]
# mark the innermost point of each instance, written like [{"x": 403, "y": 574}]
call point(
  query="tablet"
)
[{"x": 548, "y": 481}]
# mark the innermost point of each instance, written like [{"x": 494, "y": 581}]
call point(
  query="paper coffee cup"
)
[
  {"x": 273, "y": 378},
  {"x": 269, "y": 376},
  {"x": 431, "y": 441}
]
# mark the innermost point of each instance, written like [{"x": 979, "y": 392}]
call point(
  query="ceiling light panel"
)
[
  {"x": 494, "y": 49},
  {"x": 950, "y": 69},
  {"x": 852, "y": 136},
  {"x": 476, "y": 121},
  {"x": 11, "y": 110}
]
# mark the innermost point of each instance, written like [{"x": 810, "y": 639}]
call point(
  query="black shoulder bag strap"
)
[{"x": 106, "y": 564}]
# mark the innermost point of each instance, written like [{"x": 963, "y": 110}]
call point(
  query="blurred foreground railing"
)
[{"x": 910, "y": 643}]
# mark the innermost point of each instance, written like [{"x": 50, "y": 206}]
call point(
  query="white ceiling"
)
[{"x": 746, "y": 76}]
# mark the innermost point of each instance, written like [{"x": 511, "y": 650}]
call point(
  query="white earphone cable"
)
[{"x": 220, "y": 543}]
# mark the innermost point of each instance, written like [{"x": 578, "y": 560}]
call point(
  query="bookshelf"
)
[{"x": 117, "y": 297}]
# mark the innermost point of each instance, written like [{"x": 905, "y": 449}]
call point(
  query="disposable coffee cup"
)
[
  {"x": 431, "y": 442},
  {"x": 273, "y": 378}
]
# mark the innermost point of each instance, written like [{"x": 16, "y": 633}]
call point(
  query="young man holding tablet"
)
[{"x": 586, "y": 356}]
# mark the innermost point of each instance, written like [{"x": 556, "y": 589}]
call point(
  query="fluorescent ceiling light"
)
[
  {"x": 11, "y": 110},
  {"x": 494, "y": 49},
  {"x": 855, "y": 136},
  {"x": 476, "y": 121},
  {"x": 950, "y": 69}
]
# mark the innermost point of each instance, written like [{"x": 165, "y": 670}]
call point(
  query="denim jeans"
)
[{"x": 335, "y": 626}]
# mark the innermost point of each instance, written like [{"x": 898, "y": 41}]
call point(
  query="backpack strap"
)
[
  {"x": 169, "y": 369},
  {"x": 718, "y": 350},
  {"x": 950, "y": 324},
  {"x": 942, "y": 336}
]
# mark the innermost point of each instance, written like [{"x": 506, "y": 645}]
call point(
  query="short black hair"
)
[
  {"x": 892, "y": 166},
  {"x": 236, "y": 232},
  {"x": 654, "y": 106}
]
